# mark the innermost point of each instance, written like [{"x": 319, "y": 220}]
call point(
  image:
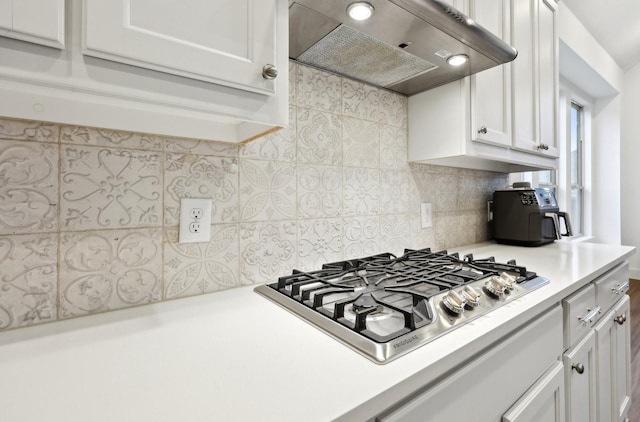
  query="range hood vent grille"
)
[
  {"x": 352, "y": 53},
  {"x": 403, "y": 47}
]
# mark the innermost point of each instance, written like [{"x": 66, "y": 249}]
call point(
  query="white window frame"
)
[{"x": 570, "y": 94}]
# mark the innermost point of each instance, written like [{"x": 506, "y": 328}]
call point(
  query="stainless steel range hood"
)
[{"x": 403, "y": 47}]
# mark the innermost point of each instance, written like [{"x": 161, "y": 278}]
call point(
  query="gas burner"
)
[{"x": 385, "y": 306}]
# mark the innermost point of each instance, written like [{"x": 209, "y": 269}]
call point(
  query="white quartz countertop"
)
[{"x": 236, "y": 356}]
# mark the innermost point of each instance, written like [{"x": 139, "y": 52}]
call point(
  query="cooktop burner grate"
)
[{"x": 381, "y": 299}]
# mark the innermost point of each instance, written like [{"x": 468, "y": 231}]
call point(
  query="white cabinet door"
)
[
  {"x": 613, "y": 362},
  {"x": 224, "y": 41},
  {"x": 548, "y": 76},
  {"x": 580, "y": 380},
  {"x": 605, "y": 378},
  {"x": 543, "y": 402},
  {"x": 535, "y": 76},
  {"x": 490, "y": 89},
  {"x": 36, "y": 21},
  {"x": 622, "y": 359}
]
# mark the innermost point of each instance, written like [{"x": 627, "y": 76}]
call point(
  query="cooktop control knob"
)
[
  {"x": 471, "y": 295},
  {"x": 454, "y": 302},
  {"x": 496, "y": 286},
  {"x": 508, "y": 280}
]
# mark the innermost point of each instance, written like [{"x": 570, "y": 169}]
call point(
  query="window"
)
[{"x": 576, "y": 163}]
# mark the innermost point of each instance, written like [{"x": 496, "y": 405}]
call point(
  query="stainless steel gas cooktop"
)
[{"x": 384, "y": 306}]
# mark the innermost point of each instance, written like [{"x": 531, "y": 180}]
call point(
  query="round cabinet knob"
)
[
  {"x": 620, "y": 319},
  {"x": 495, "y": 286},
  {"x": 578, "y": 367},
  {"x": 471, "y": 295},
  {"x": 269, "y": 71},
  {"x": 454, "y": 302},
  {"x": 482, "y": 130},
  {"x": 543, "y": 147}
]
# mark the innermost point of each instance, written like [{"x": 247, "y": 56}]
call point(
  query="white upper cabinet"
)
[
  {"x": 468, "y": 123},
  {"x": 36, "y": 21},
  {"x": 212, "y": 70},
  {"x": 535, "y": 76},
  {"x": 224, "y": 41}
]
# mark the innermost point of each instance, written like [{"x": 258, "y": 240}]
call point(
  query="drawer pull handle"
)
[
  {"x": 621, "y": 288},
  {"x": 620, "y": 319},
  {"x": 578, "y": 367},
  {"x": 591, "y": 314},
  {"x": 482, "y": 130}
]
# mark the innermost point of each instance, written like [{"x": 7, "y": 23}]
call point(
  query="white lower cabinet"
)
[
  {"x": 597, "y": 359},
  {"x": 490, "y": 385}
]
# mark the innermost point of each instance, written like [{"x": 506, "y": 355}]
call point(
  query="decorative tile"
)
[
  {"x": 196, "y": 268},
  {"x": 280, "y": 145},
  {"x": 397, "y": 192},
  {"x": 319, "y": 191},
  {"x": 394, "y": 233},
  {"x": 361, "y": 191},
  {"x": 28, "y": 279},
  {"x": 25, "y": 130},
  {"x": 445, "y": 191},
  {"x": 267, "y": 251},
  {"x": 28, "y": 187},
  {"x": 393, "y": 147},
  {"x": 319, "y": 137},
  {"x": 361, "y": 143},
  {"x": 200, "y": 147},
  {"x": 109, "y": 269},
  {"x": 447, "y": 229},
  {"x": 107, "y": 188},
  {"x": 472, "y": 193},
  {"x": 318, "y": 89},
  {"x": 267, "y": 190},
  {"x": 319, "y": 242},
  {"x": 393, "y": 109},
  {"x": 360, "y": 237},
  {"x": 110, "y": 138},
  {"x": 360, "y": 100},
  {"x": 193, "y": 176}
]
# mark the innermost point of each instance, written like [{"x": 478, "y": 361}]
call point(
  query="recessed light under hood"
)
[{"x": 403, "y": 47}]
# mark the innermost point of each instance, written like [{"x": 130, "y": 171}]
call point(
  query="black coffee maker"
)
[{"x": 527, "y": 216}]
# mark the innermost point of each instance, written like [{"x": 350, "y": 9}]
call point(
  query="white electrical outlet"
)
[
  {"x": 425, "y": 214},
  {"x": 195, "y": 220}
]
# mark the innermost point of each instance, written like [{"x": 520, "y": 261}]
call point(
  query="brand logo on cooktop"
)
[{"x": 406, "y": 341}]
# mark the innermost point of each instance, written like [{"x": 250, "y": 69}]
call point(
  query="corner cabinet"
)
[
  {"x": 471, "y": 123},
  {"x": 36, "y": 21},
  {"x": 196, "y": 69}
]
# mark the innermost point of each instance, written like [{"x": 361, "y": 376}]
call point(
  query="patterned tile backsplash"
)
[{"x": 89, "y": 217}]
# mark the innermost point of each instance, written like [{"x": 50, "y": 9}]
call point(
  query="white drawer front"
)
[
  {"x": 612, "y": 286},
  {"x": 580, "y": 313}
]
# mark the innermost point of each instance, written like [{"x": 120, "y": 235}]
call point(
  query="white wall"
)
[
  {"x": 586, "y": 65},
  {"x": 630, "y": 167}
]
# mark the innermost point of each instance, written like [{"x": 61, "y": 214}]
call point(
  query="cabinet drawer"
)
[
  {"x": 580, "y": 313},
  {"x": 612, "y": 286}
]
